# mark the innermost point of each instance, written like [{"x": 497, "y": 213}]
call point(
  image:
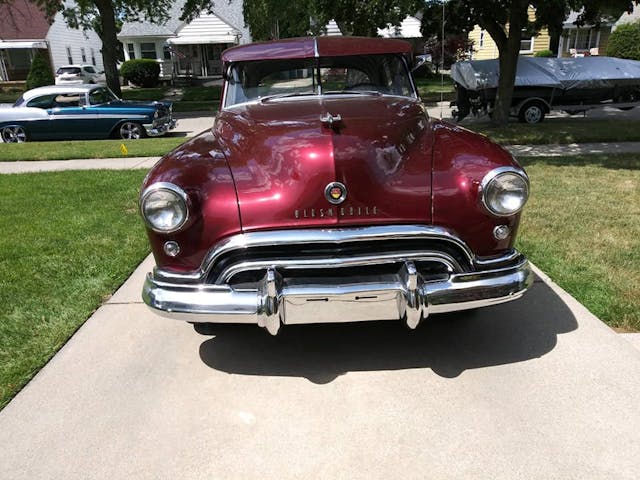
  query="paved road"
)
[{"x": 535, "y": 389}]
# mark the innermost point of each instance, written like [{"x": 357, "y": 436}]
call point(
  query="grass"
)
[
  {"x": 74, "y": 238},
  {"x": 201, "y": 94},
  {"x": 196, "y": 106},
  {"x": 9, "y": 97},
  {"x": 71, "y": 149},
  {"x": 582, "y": 228},
  {"x": 435, "y": 87},
  {"x": 562, "y": 131},
  {"x": 144, "y": 94}
]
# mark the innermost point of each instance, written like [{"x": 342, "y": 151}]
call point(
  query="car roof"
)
[
  {"x": 58, "y": 89},
  {"x": 309, "y": 47}
]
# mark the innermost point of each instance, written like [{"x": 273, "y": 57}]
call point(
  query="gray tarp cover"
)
[{"x": 564, "y": 73}]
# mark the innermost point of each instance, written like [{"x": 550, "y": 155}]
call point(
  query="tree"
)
[
  {"x": 269, "y": 19},
  {"x": 40, "y": 73},
  {"x": 506, "y": 20},
  {"x": 103, "y": 17},
  {"x": 624, "y": 42}
]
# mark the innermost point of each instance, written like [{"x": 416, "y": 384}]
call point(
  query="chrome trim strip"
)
[
  {"x": 353, "y": 261},
  {"x": 404, "y": 296}
]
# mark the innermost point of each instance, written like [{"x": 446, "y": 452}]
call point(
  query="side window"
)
[
  {"x": 68, "y": 100},
  {"x": 45, "y": 101},
  {"x": 89, "y": 69}
]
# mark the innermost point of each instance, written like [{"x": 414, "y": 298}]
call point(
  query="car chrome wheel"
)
[
  {"x": 13, "y": 135},
  {"x": 131, "y": 131}
]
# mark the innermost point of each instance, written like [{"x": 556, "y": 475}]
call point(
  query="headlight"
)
[
  {"x": 156, "y": 115},
  {"x": 504, "y": 191},
  {"x": 164, "y": 207}
]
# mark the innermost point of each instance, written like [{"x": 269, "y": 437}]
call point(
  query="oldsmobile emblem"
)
[{"x": 335, "y": 193}]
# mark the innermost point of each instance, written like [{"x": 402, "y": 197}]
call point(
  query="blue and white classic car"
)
[{"x": 82, "y": 112}]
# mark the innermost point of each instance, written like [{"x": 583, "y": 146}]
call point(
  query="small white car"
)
[{"x": 78, "y": 74}]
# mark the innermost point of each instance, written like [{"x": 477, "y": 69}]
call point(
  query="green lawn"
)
[
  {"x": 70, "y": 239},
  {"x": 435, "y": 88},
  {"x": 144, "y": 94},
  {"x": 582, "y": 227},
  {"x": 562, "y": 130},
  {"x": 66, "y": 150}
]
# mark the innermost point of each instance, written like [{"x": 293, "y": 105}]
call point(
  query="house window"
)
[
  {"x": 93, "y": 57},
  {"x": 132, "y": 52},
  {"x": 526, "y": 45},
  {"x": 69, "y": 56},
  {"x": 148, "y": 50},
  {"x": 83, "y": 54},
  {"x": 166, "y": 52},
  {"x": 481, "y": 38}
]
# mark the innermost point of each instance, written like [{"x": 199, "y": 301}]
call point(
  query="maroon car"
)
[{"x": 325, "y": 193}]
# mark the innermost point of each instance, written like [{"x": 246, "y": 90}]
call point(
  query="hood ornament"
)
[
  {"x": 335, "y": 193},
  {"x": 331, "y": 121}
]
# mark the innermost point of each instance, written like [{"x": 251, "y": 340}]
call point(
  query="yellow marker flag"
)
[{"x": 123, "y": 149}]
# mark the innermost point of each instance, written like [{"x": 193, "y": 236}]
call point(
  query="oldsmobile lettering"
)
[{"x": 335, "y": 212}]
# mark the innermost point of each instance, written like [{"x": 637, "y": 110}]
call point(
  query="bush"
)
[
  {"x": 544, "y": 53},
  {"x": 143, "y": 72},
  {"x": 40, "y": 73},
  {"x": 624, "y": 41}
]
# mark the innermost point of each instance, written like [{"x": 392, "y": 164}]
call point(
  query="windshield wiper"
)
[{"x": 285, "y": 95}]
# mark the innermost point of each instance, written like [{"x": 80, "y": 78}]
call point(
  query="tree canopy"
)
[{"x": 269, "y": 19}]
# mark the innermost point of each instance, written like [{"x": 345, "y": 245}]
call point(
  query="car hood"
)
[{"x": 283, "y": 156}]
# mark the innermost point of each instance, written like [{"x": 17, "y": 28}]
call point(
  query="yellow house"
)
[
  {"x": 574, "y": 42},
  {"x": 485, "y": 48}
]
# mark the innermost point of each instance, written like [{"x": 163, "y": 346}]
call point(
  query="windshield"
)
[{"x": 362, "y": 74}]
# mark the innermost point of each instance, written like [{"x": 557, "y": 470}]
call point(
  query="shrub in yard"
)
[
  {"x": 544, "y": 53},
  {"x": 143, "y": 72},
  {"x": 624, "y": 42},
  {"x": 40, "y": 73}
]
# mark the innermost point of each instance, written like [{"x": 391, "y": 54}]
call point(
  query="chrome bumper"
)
[
  {"x": 278, "y": 301},
  {"x": 160, "y": 129}
]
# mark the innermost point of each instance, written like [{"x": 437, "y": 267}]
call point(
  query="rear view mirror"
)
[{"x": 421, "y": 60}]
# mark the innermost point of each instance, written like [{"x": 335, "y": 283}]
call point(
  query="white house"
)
[
  {"x": 187, "y": 48},
  {"x": 24, "y": 29},
  {"x": 408, "y": 28}
]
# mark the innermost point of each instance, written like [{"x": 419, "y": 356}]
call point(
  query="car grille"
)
[{"x": 244, "y": 268}]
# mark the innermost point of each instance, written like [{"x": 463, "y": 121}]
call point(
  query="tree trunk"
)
[
  {"x": 109, "y": 44},
  {"x": 509, "y": 53}
]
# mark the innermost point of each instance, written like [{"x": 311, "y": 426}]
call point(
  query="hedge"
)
[
  {"x": 624, "y": 41},
  {"x": 143, "y": 72}
]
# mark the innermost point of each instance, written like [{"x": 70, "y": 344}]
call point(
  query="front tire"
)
[
  {"x": 13, "y": 134},
  {"x": 131, "y": 131},
  {"x": 532, "y": 112}
]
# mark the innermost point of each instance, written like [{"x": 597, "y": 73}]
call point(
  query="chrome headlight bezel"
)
[
  {"x": 490, "y": 180},
  {"x": 180, "y": 197}
]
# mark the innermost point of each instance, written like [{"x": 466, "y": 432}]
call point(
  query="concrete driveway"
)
[{"x": 535, "y": 389}]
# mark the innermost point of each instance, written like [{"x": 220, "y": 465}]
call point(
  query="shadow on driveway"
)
[{"x": 447, "y": 344}]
